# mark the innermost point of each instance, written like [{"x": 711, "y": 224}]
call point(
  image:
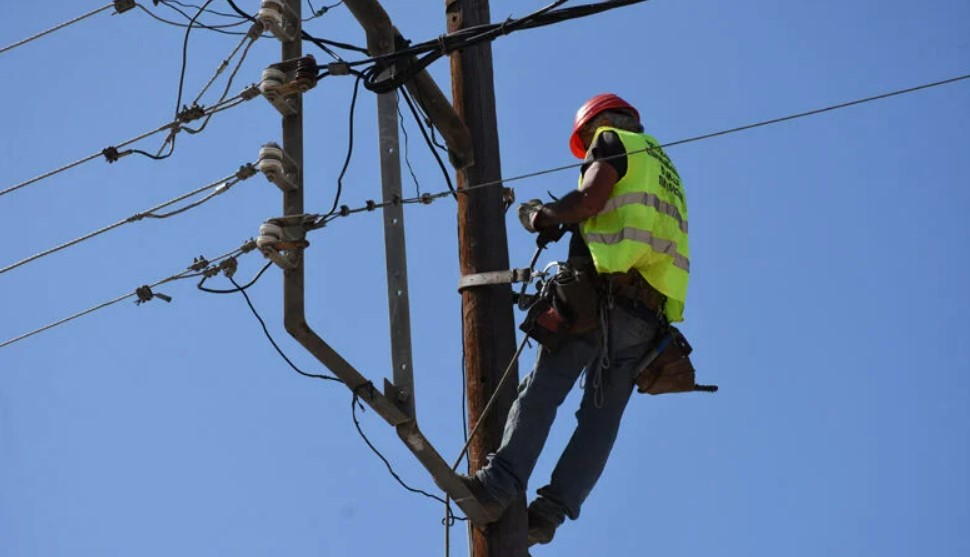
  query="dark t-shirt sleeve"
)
[{"x": 606, "y": 145}]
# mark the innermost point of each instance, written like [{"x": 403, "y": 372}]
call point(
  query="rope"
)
[
  {"x": 227, "y": 182},
  {"x": 193, "y": 271},
  {"x": 56, "y": 27}
]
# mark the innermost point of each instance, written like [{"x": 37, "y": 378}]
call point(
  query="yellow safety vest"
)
[{"x": 644, "y": 223}]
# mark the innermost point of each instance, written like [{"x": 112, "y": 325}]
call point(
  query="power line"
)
[
  {"x": 350, "y": 147},
  {"x": 143, "y": 293},
  {"x": 61, "y": 26},
  {"x": 429, "y": 198},
  {"x": 113, "y": 153},
  {"x": 262, "y": 323},
  {"x": 221, "y": 186}
]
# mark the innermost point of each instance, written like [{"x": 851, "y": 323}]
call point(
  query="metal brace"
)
[{"x": 509, "y": 276}]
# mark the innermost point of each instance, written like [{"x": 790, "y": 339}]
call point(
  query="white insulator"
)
[
  {"x": 271, "y": 14},
  {"x": 271, "y": 151},
  {"x": 269, "y": 235},
  {"x": 271, "y": 168},
  {"x": 272, "y": 80}
]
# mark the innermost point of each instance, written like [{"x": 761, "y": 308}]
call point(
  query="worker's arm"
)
[{"x": 579, "y": 205}]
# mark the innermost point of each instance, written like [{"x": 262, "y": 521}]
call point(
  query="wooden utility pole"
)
[{"x": 482, "y": 245}]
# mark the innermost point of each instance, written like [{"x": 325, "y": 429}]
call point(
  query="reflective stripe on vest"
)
[
  {"x": 643, "y": 224},
  {"x": 658, "y": 245},
  {"x": 648, "y": 199}
]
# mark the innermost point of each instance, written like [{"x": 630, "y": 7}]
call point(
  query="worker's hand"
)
[
  {"x": 551, "y": 234},
  {"x": 527, "y": 212}
]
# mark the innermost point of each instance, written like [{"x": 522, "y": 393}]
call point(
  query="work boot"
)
[
  {"x": 493, "y": 507},
  {"x": 541, "y": 527}
]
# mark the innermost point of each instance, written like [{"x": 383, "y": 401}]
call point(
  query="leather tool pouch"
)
[
  {"x": 568, "y": 305},
  {"x": 671, "y": 371}
]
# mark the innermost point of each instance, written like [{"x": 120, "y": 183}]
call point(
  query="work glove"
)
[{"x": 527, "y": 212}]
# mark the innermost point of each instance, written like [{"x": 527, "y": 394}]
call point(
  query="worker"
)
[{"x": 632, "y": 222}]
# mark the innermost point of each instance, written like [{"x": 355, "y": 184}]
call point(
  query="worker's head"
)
[{"x": 602, "y": 110}]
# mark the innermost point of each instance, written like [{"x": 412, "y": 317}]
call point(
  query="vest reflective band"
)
[{"x": 643, "y": 225}]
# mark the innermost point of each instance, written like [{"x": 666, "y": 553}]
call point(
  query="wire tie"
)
[
  {"x": 249, "y": 246},
  {"x": 229, "y": 267},
  {"x": 338, "y": 68},
  {"x": 145, "y": 295},
  {"x": 250, "y": 92},
  {"x": 111, "y": 154},
  {"x": 246, "y": 171},
  {"x": 427, "y": 198},
  {"x": 396, "y": 200},
  {"x": 443, "y": 45},
  {"x": 371, "y": 205},
  {"x": 198, "y": 263},
  {"x": 344, "y": 211},
  {"x": 137, "y": 217},
  {"x": 190, "y": 113},
  {"x": 502, "y": 29},
  {"x": 122, "y": 6}
]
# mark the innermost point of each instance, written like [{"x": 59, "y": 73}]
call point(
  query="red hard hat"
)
[{"x": 588, "y": 112}]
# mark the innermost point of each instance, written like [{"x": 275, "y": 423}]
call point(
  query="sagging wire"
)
[
  {"x": 441, "y": 163},
  {"x": 219, "y": 187},
  {"x": 322, "y": 44},
  {"x": 217, "y": 28},
  {"x": 350, "y": 147},
  {"x": 262, "y": 322},
  {"x": 119, "y": 8},
  {"x": 407, "y": 149},
  {"x": 354, "y": 405},
  {"x": 144, "y": 293},
  {"x": 114, "y": 153}
]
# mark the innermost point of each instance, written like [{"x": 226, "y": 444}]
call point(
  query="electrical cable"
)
[
  {"x": 272, "y": 341},
  {"x": 407, "y": 149},
  {"x": 471, "y": 36},
  {"x": 56, "y": 28},
  {"x": 196, "y": 7},
  {"x": 428, "y": 198},
  {"x": 350, "y": 148},
  {"x": 217, "y": 28},
  {"x": 220, "y": 186},
  {"x": 437, "y": 156},
  {"x": 113, "y": 153},
  {"x": 225, "y": 91},
  {"x": 354, "y": 403},
  {"x": 233, "y": 290},
  {"x": 320, "y": 43},
  {"x": 192, "y": 271},
  {"x": 185, "y": 54}
]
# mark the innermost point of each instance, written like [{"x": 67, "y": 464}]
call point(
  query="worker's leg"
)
[
  {"x": 583, "y": 460},
  {"x": 527, "y": 426}
]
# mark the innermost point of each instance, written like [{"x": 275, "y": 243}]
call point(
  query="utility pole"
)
[
  {"x": 293, "y": 279},
  {"x": 483, "y": 246}
]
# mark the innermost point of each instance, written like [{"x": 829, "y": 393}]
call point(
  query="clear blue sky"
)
[{"x": 828, "y": 297}]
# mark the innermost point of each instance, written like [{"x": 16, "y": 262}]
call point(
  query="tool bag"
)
[
  {"x": 668, "y": 369},
  {"x": 567, "y": 305}
]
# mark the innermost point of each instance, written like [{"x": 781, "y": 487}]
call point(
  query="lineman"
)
[{"x": 632, "y": 219}]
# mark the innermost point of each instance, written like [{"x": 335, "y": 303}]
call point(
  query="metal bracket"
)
[
  {"x": 509, "y": 276},
  {"x": 282, "y": 240},
  {"x": 286, "y": 79}
]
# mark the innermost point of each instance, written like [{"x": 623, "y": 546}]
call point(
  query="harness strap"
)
[{"x": 509, "y": 276}]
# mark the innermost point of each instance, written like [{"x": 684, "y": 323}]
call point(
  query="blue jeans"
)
[{"x": 609, "y": 356}]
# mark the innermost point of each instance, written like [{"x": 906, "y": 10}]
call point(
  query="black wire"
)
[
  {"x": 233, "y": 290},
  {"x": 323, "y": 9},
  {"x": 183, "y": 25},
  {"x": 262, "y": 323},
  {"x": 195, "y": 7},
  {"x": 321, "y": 43},
  {"x": 354, "y": 403},
  {"x": 185, "y": 57},
  {"x": 424, "y": 133},
  {"x": 350, "y": 149},
  {"x": 407, "y": 150}
]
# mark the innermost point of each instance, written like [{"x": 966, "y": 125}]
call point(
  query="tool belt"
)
[
  {"x": 568, "y": 305},
  {"x": 632, "y": 290}
]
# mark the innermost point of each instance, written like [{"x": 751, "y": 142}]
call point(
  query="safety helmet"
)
[{"x": 589, "y": 111}]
